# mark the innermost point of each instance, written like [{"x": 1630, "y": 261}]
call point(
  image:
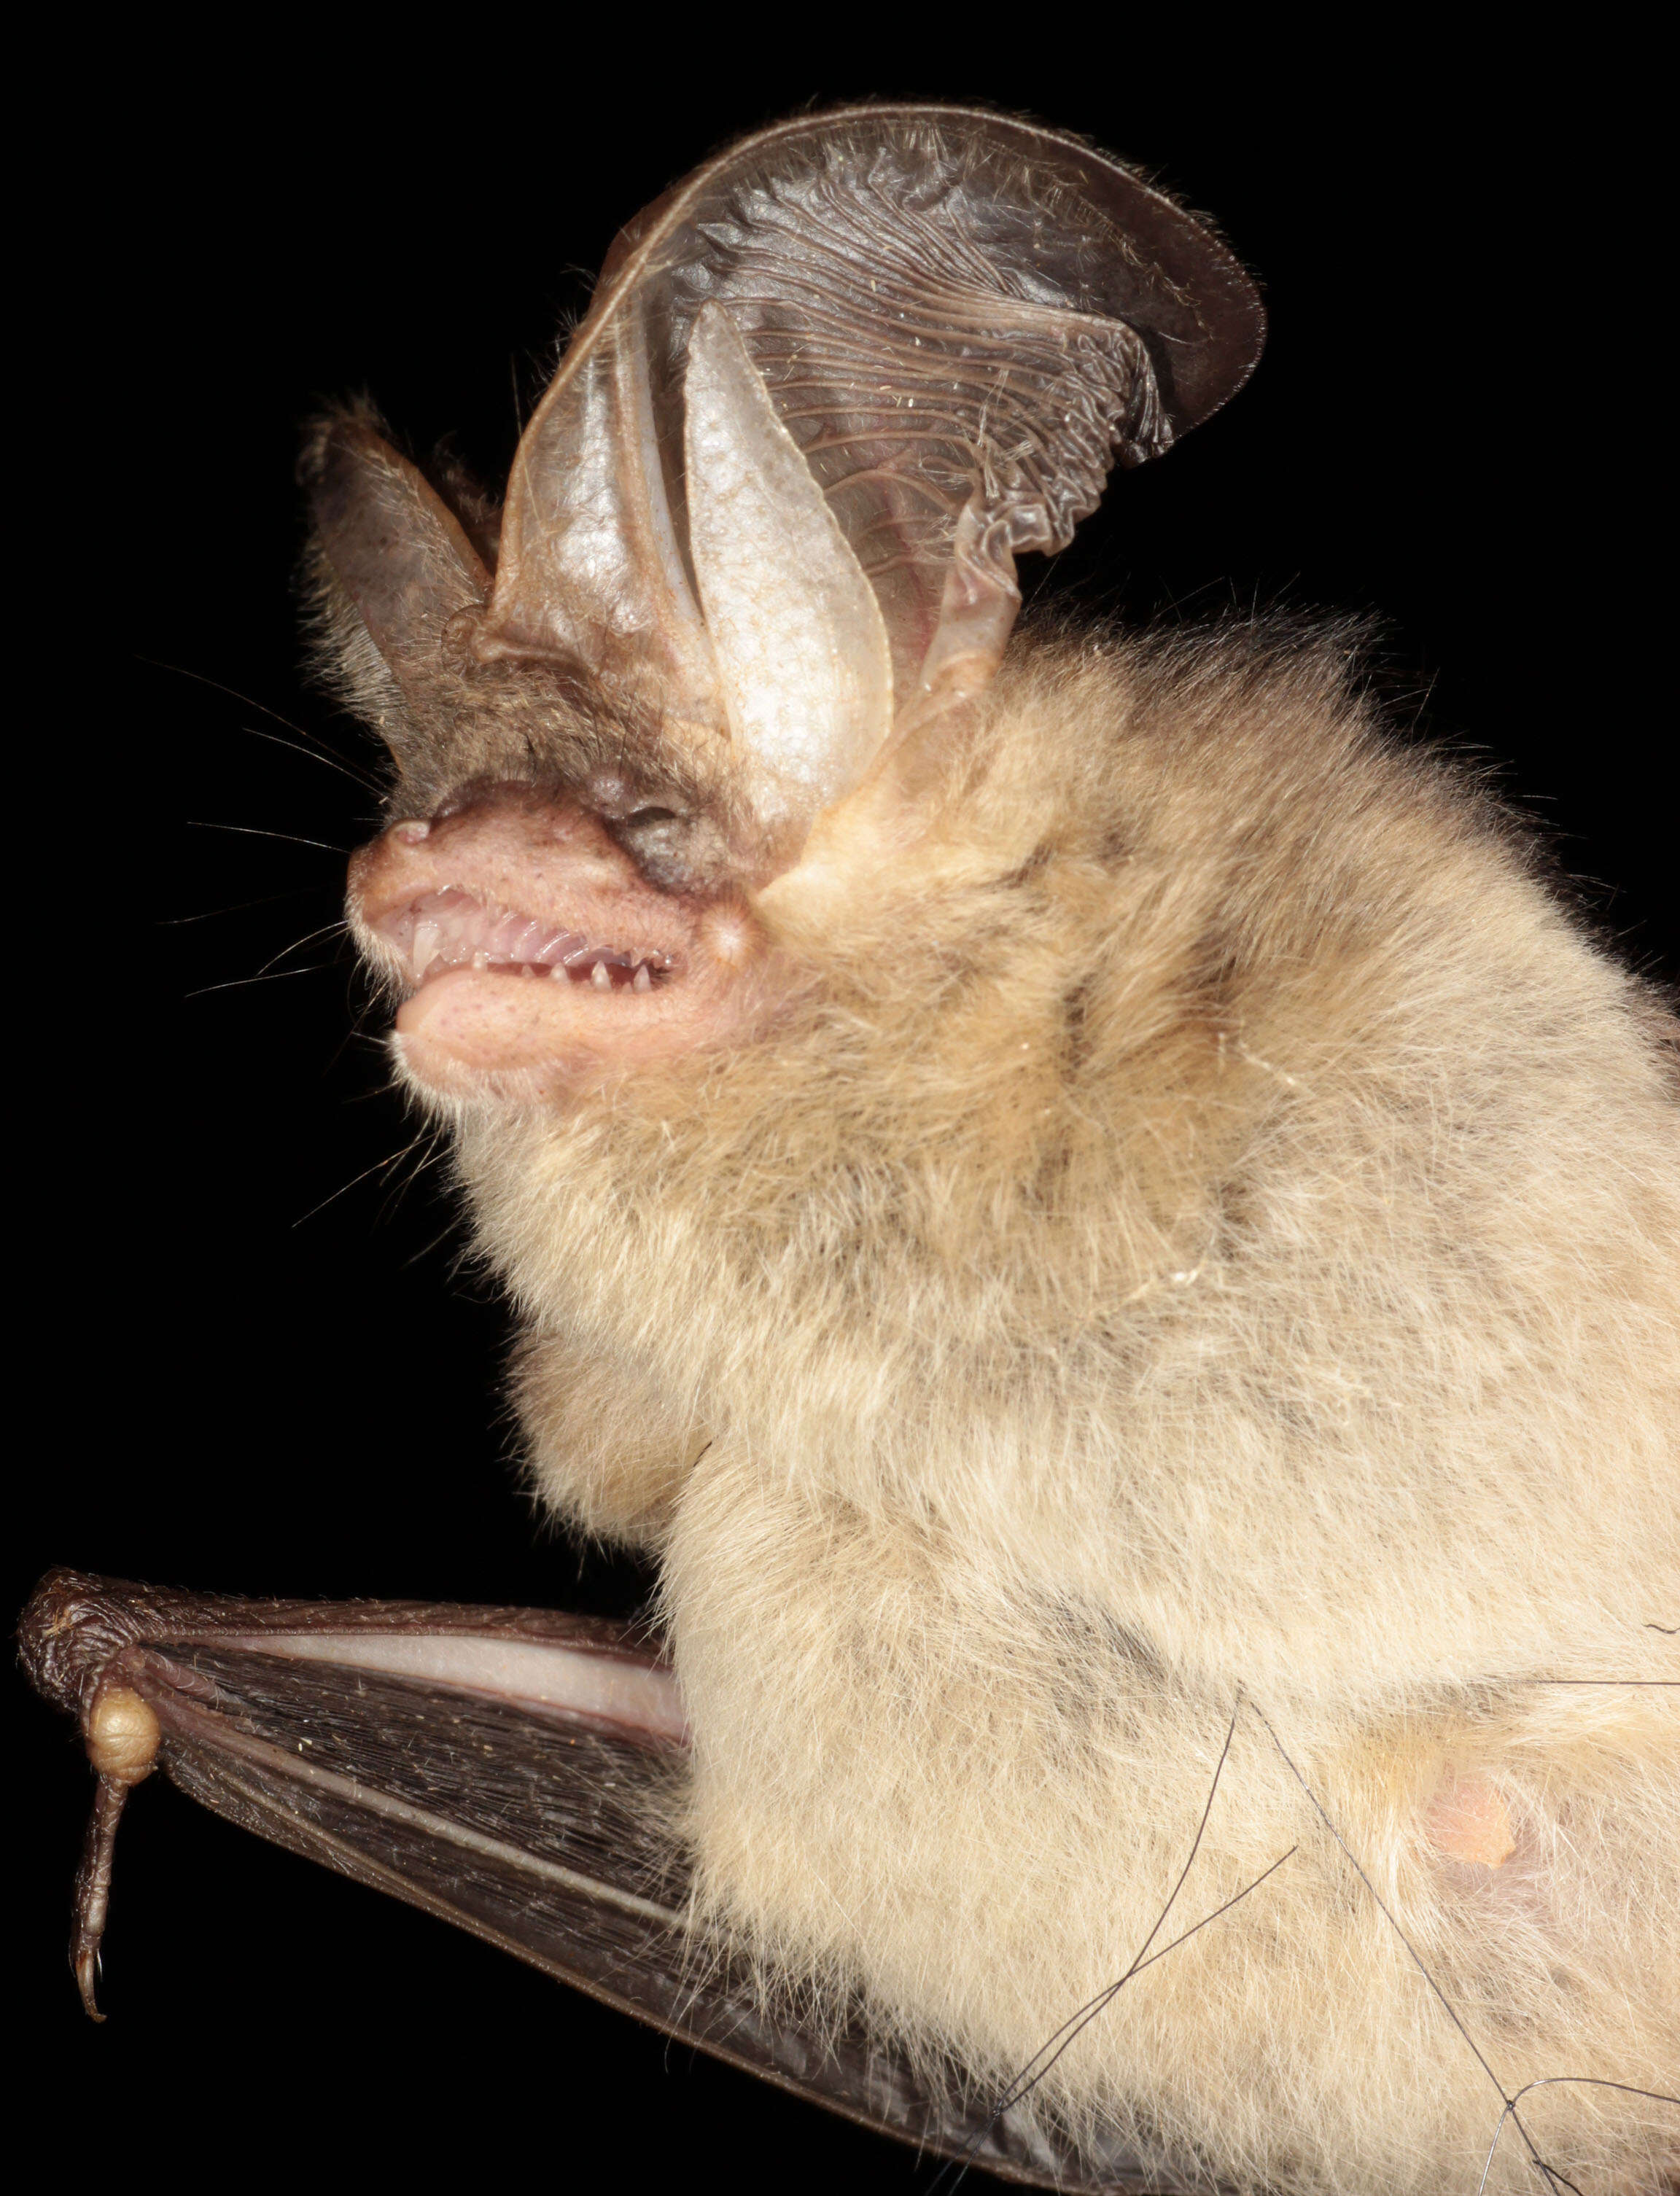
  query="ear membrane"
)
[
  {"x": 400, "y": 556},
  {"x": 803, "y": 667},
  {"x": 957, "y": 323}
]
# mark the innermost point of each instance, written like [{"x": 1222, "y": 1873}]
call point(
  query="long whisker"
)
[
  {"x": 1187, "y": 1935},
  {"x": 314, "y": 744},
  {"x": 239, "y": 906},
  {"x": 202, "y": 679},
  {"x": 322, "y": 756},
  {"x": 357, "y": 1032},
  {"x": 275, "y": 976},
  {"x": 250, "y": 831},
  {"x": 378, "y": 1167},
  {"x": 428, "y": 1158},
  {"x": 442, "y": 1236},
  {"x": 327, "y": 930}
]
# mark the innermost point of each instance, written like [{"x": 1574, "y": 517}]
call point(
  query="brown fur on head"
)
[{"x": 1141, "y": 1221}]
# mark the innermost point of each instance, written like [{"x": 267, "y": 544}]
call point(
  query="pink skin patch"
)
[
  {"x": 534, "y": 957},
  {"x": 1468, "y": 1820}
]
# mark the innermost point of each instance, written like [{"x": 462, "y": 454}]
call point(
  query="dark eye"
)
[
  {"x": 657, "y": 839},
  {"x": 677, "y": 849}
]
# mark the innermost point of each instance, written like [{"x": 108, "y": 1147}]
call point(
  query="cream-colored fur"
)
[{"x": 1205, "y": 1242}]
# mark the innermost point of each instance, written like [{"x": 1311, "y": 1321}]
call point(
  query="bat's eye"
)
[{"x": 673, "y": 850}]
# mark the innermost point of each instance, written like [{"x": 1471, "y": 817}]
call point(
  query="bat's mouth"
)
[
  {"x": 453, "y": 929},
  {"x": 531, "y": 954}
]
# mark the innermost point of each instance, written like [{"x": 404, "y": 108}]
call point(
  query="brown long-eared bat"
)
[{"x": 1092, "y": 1215}]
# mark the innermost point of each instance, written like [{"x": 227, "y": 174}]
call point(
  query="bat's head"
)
[
  {"x": 702, "y": 785},
  {"x": 711, "y": 682}
]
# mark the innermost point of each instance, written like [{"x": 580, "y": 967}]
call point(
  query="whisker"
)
[
  {"x": 238, "y": 906},
  {"x": 1556, "y": 2180},
  {"x": 324, "y": 756},
  {"x": 1216, "y": 1913},
  {"x": 378, "y": 1167},
  {"x": 356, "y": 1033},
  {"x": 1018, "y": 2091},
  {"x": 250, "y": 831},
  {"x": 325, "y": 930},
  {"x": 404, "y": 1182},
  {"x": 202, "y": 679},
  {"x": 442, "y": 1236},
  {"x": 250, "y": 701},
  {"x": 277, "y": 976}
]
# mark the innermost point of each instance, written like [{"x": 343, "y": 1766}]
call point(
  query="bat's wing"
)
[{"x": 516, "y": 1772}]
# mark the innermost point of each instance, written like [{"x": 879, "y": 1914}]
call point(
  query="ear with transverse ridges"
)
[{"x": 957, "y": 322}]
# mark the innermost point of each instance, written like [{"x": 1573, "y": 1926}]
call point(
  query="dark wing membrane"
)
[
  {"x": 541, "y": 1836},
  {"x": 477, "y": 1792}
]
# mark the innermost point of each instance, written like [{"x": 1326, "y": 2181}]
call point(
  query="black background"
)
[{"x": 261, "y": 1367}]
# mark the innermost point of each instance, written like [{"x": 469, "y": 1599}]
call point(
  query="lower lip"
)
[{"x": 465, "y": 1025}]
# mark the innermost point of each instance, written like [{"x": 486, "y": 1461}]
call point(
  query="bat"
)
[{"x": 955, "y": 1284}]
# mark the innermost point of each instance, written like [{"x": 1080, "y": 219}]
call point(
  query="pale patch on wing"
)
[{"x": 641, "y": 1697}]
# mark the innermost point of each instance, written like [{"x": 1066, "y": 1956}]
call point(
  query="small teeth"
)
[{"x": 452, "y": 929}]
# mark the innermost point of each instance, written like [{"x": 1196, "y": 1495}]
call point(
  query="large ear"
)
[
  {"x": 401, "y": 562},
  {"x": 959, "y": 323}
]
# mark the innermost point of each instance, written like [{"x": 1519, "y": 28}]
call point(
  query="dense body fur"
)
[{"x": 1203, "y": 1238}]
